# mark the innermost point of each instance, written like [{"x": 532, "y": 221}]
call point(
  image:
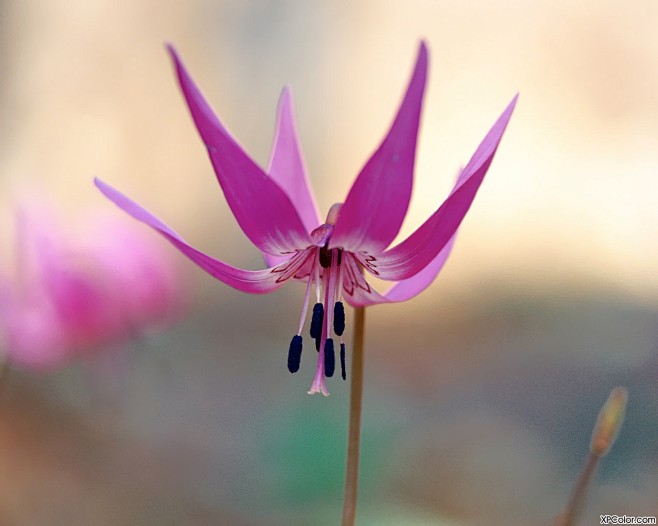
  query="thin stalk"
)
[
  {"x": 4, "y": 377},
  {"x": 354, "y": 431},
  {"x": 606, "y": 429},
  {"x": 575, "y": 505}
]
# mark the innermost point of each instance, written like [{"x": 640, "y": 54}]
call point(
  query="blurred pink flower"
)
[
  {"x": 71, "y": 294},
  {"x": 277, "y": 212},
  {"x": 152, "y": 292}
]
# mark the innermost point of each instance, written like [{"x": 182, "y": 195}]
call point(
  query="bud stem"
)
[{"x": 605, "y": 432}]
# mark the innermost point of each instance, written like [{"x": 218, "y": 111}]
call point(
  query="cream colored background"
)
[{"x": 87, "y": 90}]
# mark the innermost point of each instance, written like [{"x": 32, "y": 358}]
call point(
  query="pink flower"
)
[
  {"x": 152, "y": 292},
  {"x": 277, "y": 212},
  {"x": 71, "y": 294}
]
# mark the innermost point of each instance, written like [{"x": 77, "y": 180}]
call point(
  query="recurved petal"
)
[
  {"x": 420, "y": 248},
  {"x": 287, "y": 166},
  {"x": 408, "y": 288},
  {"x": 262, "y": 208},
  {"x": 274, "y": 261},
  {"x": 251, "y": 281},
  {"x": 377, "y": 202},
  {"x": 403, "y": 290}
]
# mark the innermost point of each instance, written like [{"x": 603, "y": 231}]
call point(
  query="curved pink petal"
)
[
  {"x": 420, "y": 248},
  {"x": 287, "y": 166},
  {"x": 252, "y": 281},
  {"x": 406, "y": 289},
  {"x": 262, "y": 209},
  {"x": 377, "y": 202},
  {"x": 358, "y": 297}
]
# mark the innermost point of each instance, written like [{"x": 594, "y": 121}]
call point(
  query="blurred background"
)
[{"x": 480, "y": 394}]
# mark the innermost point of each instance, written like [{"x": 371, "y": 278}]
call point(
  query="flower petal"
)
[
  {"x": 263, "y": 210},
  {"x": 287, "y": 165},
  {"x": 378, "y": 200},
  {"x": 252, "y": 281},
  {"x": 420, "y": 248},
  {"x": 406, "y": 289},
  {"x": 403, "y": 290},
  {"x": 287, "y": 169}
]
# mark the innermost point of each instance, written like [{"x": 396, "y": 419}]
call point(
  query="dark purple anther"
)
[
  {"x": 339, "y": 318},
  {"x": 295, "y": 354},
  {"x": 329, "y": 358},
  {"x": 342, "y": 361}
]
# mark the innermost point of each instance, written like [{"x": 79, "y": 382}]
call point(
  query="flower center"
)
[
  {"x": 328, "y": 318},
  {"x": 325, "y": 257}
]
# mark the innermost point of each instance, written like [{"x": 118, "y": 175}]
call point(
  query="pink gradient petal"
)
[
  {"x": 409, "y": 288},
  {"x": 361, "y": 298},
  {"x": 287, "y": 166},
  {"x": 377, "y": 202},
  {"x": 420, "y": 248},
  {"x": 251, "y": 281},
  {"x": 263, "y": 210},
  {"x": 406, "y": 289}
]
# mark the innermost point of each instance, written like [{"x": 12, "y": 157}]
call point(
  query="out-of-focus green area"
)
[{"x": 480, "y": 395}]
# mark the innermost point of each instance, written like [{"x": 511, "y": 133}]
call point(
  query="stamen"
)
[
  {"x": 307, "y": 296},
  {"x": 318, "y": 290},
  {"x": 331, "y": 291},
  {"x": 329, "y": 358},
  {"x": 295, "y": 354},
  {"x": 316, "y": 324},
  {"x": 329, "y": 355},
  {"x": 342, "y": 360},
  {"x": 339, "y": 287},
  {"x": 339, "y": 318}
]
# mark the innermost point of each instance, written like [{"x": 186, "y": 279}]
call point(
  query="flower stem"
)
[
  {"x": 572, "y": 512},
  {"x": 4, "y": 376},
  {"x": 354, "y": 432}
]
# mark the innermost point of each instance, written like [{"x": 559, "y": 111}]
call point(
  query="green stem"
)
[{"x": 354, "y": 432}]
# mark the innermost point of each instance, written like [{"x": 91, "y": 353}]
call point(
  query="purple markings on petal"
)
[{"x": 406, "y": 289}]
